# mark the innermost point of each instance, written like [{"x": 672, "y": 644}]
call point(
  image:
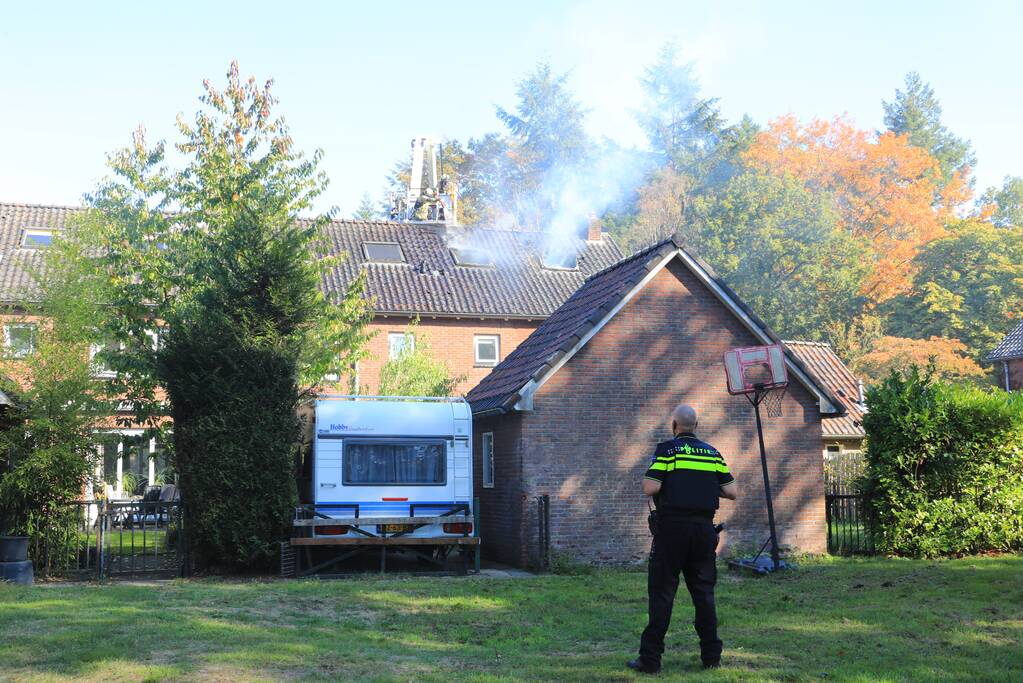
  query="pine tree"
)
[
  {"x": 367, "y": 211},
  {"x": 916, "y": 112}
]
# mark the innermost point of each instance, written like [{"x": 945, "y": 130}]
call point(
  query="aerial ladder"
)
[{"x": 430, "y": 197}]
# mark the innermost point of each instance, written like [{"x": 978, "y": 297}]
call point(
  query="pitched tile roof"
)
[
  {"x": 16, "y": 264},
  {"x": 429, "y": 283},
  {"x": 830, "y": 369},
  {"x": 559, "y": 334},
  {"x": 1010, "y": 347}
]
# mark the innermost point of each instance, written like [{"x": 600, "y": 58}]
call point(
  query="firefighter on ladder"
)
[{"x": 685, "y": 479}]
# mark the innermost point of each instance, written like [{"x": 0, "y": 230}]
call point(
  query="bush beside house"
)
[{"x": 944, "y": 467}]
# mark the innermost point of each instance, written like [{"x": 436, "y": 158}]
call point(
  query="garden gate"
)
[{"x": 110, "y": 540}]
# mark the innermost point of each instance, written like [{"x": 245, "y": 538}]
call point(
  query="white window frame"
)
[
  {"x": 487, "y": 451},
  {"x": 9, "y": 347},
  {"x": 392, "y": 336},
  {"x": 97, "y": 370},
  {"x": 27, "y": 232},
  {"x": 477, "y": 361}
]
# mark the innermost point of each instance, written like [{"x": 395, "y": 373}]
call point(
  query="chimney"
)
[{"x": 593, "y": 228}]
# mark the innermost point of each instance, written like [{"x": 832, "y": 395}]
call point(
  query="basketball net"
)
[{"x": 773, "y": 401}]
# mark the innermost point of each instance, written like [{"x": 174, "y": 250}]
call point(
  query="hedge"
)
[{"x": 944, "y": 467}]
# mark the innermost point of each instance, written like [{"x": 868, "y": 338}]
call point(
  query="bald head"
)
[{"x": 683, "y": 419}]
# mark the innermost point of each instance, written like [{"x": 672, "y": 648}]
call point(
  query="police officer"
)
[{"x": 685, "y": 479}]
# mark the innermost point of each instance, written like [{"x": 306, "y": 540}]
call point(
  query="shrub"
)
[
  {"x": 415, "y": 372},
  {"x": 944, "y": 466}
]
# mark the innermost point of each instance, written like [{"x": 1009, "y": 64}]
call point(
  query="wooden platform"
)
[
  {"x": 389, "y": 540},
  {"x": 371, "y": 521}
]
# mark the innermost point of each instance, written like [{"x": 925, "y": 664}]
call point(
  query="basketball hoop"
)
[
  {"x": 756, "y": 369},
  {"x": 759, "y": 374}
]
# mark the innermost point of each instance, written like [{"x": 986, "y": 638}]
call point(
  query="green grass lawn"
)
[{"x": 831, "y": 620}]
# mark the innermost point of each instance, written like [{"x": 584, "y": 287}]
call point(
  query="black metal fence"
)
[
  {"x": 846, "y": 508},
  {"x": 109, "y": 539}
]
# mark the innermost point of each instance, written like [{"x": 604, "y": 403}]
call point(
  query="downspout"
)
[{"x": 1005, "y": 369}]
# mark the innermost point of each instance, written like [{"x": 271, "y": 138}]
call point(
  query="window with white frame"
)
[
  {"x": 400, "y": 344},
  {"x": 19, "y": 339},
  {"x": 486, "y": 349},
  {"x": 488, "y": 460},
  {"x": 36, "y": 238},
  {"x": 98, "y": 360}
]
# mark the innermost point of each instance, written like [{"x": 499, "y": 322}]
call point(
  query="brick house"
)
[
  {"x": 575, "y": 411},
  {"x": 841, "y": 433},
  {"x": 477, "y": 293},
  {"x": 1008, "y": 356}
]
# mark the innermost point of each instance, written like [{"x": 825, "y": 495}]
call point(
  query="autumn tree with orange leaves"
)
[{"x": 883, "y": 189}]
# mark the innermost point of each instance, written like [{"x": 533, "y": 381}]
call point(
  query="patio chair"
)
[{"x": 147, "y": 508}]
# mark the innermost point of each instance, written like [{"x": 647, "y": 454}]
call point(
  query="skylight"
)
[
  {"x": 36, "y": 238},
  {"x": 472, "y": 256},
  {"x": 383, "y": 252},
  {"x": 557, "y": 260}
]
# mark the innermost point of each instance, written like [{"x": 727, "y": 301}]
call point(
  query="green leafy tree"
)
[
  {"x": 916, "y": 112},
  {"x": 415, "y": 372},
  {"x": 231, "y": 277},
  {"x": 48, "y": 439},
  {"x": 1006, "y": 203},
  {"x": 781, "y": 248},
  {"x": 969, "y": 286}
]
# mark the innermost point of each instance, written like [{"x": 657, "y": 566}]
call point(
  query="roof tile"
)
[
  {"x": 430, "y": 283},
  {"x": 1010, "y": 347}
]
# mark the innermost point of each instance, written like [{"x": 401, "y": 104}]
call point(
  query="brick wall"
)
[
  {"x": 1016, "y": 374},
  {"x": 450, "y": 339},
  {"x": 596, "y": 421},
  {"x": 503, "y": 511}
]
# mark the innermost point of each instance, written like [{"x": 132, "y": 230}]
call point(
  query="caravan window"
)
[{"x": 403, "y": 462}]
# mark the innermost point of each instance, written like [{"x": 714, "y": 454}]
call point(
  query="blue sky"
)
[{"x": 359, "y": 79}]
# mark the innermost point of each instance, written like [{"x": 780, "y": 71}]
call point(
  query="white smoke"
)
[{"x": 568, "y": 196}]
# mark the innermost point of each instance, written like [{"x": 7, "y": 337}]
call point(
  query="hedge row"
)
[{"x": 944, "y": 467}]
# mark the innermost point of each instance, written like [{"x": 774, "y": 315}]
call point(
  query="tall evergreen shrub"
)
[
  {"x": 944, "y": 467},
  {"x": 215, "y": 256}
]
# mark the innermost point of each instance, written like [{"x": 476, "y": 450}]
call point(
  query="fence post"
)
[
  {"x": 476, "y": 529},
  {"x": 543, "y": 529},
  {"x": 101, "y": 539}
]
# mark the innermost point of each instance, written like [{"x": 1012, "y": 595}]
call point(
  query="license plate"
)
[{"x": 396, "y": 528}]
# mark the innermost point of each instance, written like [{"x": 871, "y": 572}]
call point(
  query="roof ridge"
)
[
  {"x": 26, "y": 205},
  {"x": 635, "y": 256},
  {"x": 806, "y": 342}
]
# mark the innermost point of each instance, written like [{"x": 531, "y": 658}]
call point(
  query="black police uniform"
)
[{"x": 691, "y": 474}]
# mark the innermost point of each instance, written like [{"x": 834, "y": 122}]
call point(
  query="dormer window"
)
[
  {"x": 556, "y": 260},
  {"x": 36, "y": 238},
  {"x": 383, "y": 252},
  {"x": 472, "y": 256}
]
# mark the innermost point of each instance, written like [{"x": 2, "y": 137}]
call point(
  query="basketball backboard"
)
[{"x": 755, "y": 368}]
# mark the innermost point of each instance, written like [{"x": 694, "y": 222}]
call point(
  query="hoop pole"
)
[{"x": 775, "y": 558}]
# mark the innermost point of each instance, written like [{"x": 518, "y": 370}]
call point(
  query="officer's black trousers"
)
[{"x": 687, "y": 547}]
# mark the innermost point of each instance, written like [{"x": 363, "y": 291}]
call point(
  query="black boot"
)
[{"x": 642, "y": 667}]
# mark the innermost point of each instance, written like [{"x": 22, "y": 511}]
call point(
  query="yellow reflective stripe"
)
[
  {"x": 700, "y": 466},
  {"x": 660, "y": 466}
]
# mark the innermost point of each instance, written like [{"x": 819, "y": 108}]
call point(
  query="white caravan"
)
[{"x": 393, "y": 457}]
